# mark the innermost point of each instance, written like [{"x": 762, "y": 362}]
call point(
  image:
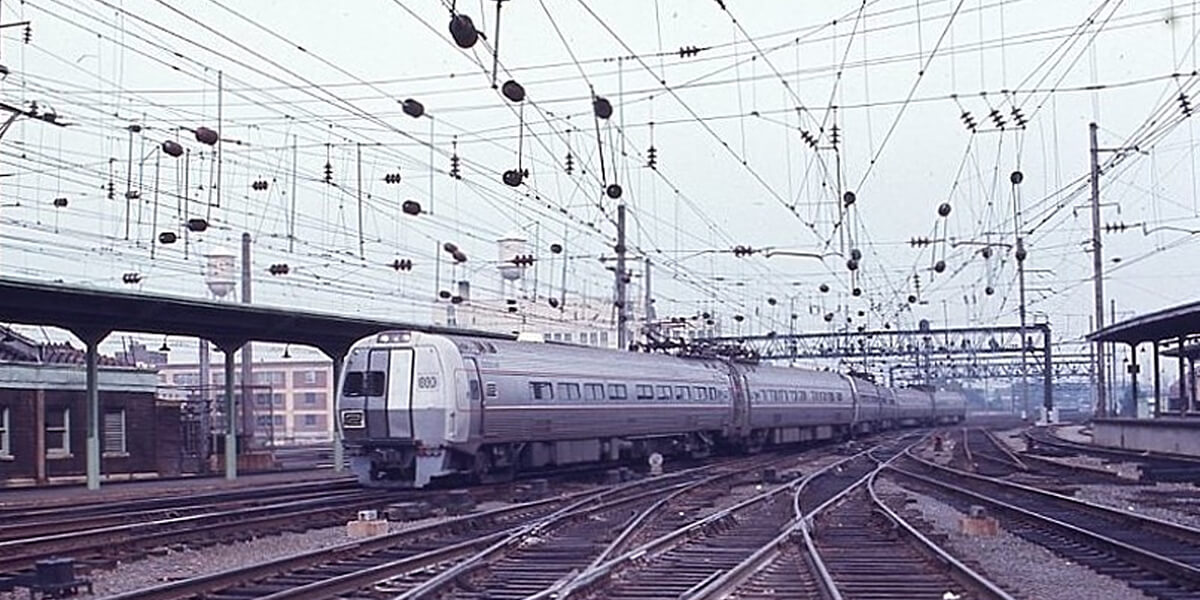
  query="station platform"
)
[{"x": 1171, "y": 435}]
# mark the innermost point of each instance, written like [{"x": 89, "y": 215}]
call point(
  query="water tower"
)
[
  {"x": 220, "y": 272},
  {"x": 509, "y": 248}
]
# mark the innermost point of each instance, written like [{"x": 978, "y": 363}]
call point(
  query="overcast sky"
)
[{"x": 730, "y": 126}]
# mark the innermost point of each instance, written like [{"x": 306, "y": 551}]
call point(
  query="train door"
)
[
  {"x": 399, "y": 392},
  {"x": 475, "y": 395}
]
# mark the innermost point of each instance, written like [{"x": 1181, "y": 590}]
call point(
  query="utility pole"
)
[
  {"x": 248, "y": 424},
  {"x": 1021, "y": 255},
  {"x": 649, "y": 310},
  {"x": 621, "y": 287},
  {"x": 1098, "y": 275},
  {"x": 361, "y": 253}
]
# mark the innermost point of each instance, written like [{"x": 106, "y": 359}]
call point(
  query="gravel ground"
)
[
  {"x": 1124, "y": 470},
  {"x": 1013, "y": 438},
  {"x": 174, "y": 565},
  {"x": 1149, "y": 500},
  {"x": 1026, "y": 570}
]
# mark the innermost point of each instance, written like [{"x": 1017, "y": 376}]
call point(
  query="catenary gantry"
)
[{"x": 92, "y": 314}]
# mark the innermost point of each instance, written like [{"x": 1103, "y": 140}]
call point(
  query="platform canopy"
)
[
  {"x": 94, "y": 313},
  {"x": 1167, "y": 324}
]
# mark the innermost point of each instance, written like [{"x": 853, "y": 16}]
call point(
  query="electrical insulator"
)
[
  {"x": 602, "y": 107},
  {"x": 513, "y": 91},
  {"x": 60, "y": 202},
  {"x": 197, "y": 225},
  {"x": 570, "y": 168},
  {"x": 279, "y": 269},
  {"x": 131, "y": 278},
  {"x": 1185, "y": 105},
  {"x": 834, "y": 135},
  {"x": 167, "y": 237},
  {"x": 391, "y": 178},
  {"x": 997, "y": 118},
  {"x": 412, "y": 108},
  {"x": 944, "y": 209},
  {"x": 328, "y": 172},
  {"x": 454, "y": 166},
  {"x": 402, "y": 264},
  {"x": 652, "y": 157},
  {"x": 411, "y": 207},
  {"x": 28, "y": 33},
  {"x": 689, "y": 51},
  {"x": 969, "y": 121},
  {"x": 259, "y": 186}
]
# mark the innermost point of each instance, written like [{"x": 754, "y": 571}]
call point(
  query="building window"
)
[
  {"x": 114, "y": 432},
  {"x": 310, "y": 420},
  {"x": 58, "y": 431},
  {"x": 604, "y": 339},
  {"x": 542, "y": 390},
  {"x": 277, "y": 420},
  {"x": 568, "y": 391},
  {"x": 313, "y": 400},
  {"x": 593, "y": 391},
  {"x": 5, "y": 448},
  {"x": 567, "y": 338},
  {"x": 616, "y": 391}
]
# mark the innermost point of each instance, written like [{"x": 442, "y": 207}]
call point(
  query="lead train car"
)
[{"x": 414, "y": 407}]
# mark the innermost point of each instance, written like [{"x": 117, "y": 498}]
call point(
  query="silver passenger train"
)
[{"x": 415, "y": 407}]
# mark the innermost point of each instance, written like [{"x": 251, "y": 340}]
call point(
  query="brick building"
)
[{"x": 43, "y": 415}]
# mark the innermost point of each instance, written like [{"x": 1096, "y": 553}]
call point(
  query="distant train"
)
[{"x": 416, "y": 407}]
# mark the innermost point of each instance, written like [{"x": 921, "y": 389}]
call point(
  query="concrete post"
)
[
  {"x": 93, "y": 415},
  {"x": 338, "y": 451},
  {"x": 230, "y": 414},
  {"x": 1183, "y": 391},
  {"x": 39, "y": 435},
  {"x": 1133, "y": 375},
  {"x": 1157, "y": 384}
]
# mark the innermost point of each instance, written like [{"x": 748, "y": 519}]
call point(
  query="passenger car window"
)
[
  {"x": 593, "y": 391},
  {"x": 616, "y": 391},
  {"x": 542, "y": 390},
  {"x": 683, "y": 392},
  {"x": 701, "y": 393},
  {"x": 645, "y": 392},
  {"x": 568, "y": 391},
  {"x": 664, "y": 392}
]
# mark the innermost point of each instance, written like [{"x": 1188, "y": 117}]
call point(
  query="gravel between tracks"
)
[
  {"x": 1149, "y": 500},
  {"x": 1026, "y": 570},
  {"x": 174, "y": 565}
]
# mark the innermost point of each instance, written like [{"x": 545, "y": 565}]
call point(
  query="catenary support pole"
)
[
  {"x": 1098, "y": 274},
  {"x": 1157, "y": 384}
]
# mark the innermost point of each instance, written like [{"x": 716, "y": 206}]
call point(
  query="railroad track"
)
[
  {"x": 102, "y": 546},
  {"x": 1159, "y": 558},
  {"x": 402, "y": 562},
  {"x": 850, "y": 545},
  {"x": 26, "y": 521}
]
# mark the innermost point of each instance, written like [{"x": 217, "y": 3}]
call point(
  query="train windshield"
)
[{"x": 363, "y": 383}]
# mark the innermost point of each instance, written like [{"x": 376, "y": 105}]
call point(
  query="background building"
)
[{"x": 292, "y": 397}]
